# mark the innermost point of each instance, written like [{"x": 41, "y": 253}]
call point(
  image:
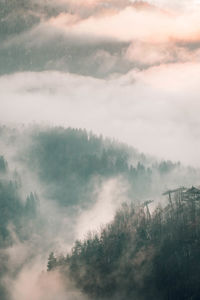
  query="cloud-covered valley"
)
[
  {"x": 127, "y": 69},
  {"x": 156, "y": 110}
]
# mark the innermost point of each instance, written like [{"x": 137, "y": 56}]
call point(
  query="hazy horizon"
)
[{"x": 126, "y": 69}]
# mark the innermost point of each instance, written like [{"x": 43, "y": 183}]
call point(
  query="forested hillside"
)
[
  {"x": 17, "y": 216},
  {"x": 68, "y": 161},
  {"x": 52, "y": 177},
  {"x": 140, "y": 255}
]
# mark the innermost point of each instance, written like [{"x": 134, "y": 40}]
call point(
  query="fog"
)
[
  {"x": 132, "y": 65},
  {"x": 155, "y": 110},
  {"x": 55, "y": 228},
  {"x": 127, "y": 71}
]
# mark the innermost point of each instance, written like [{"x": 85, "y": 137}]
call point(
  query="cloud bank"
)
[
  {"x": 127, "y": 69},
  {"x": 96, "y": 38},
  {"x": 155, "y": 109}
]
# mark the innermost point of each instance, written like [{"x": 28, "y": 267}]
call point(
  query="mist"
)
[
  {"x": 99, "y": 114},
  {"x": 151, "y": 109}
]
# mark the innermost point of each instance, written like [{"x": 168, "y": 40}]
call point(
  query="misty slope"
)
[
  {"x": 16, "y": 210},
  {"x": 52, "y": 176},
  {"x": 139, "y": 255},
  {"x": 67, "y": 168},
  {"x": 68, "y": 160},
  {"x": 17, "y": 216},
  {"x": 68, "y": 163}
]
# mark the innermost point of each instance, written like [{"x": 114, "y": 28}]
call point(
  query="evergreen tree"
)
[{"x": 51, "y": 262}]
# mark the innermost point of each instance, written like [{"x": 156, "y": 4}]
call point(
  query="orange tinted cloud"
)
[
  {"x": 156, "y": 36},
  {"x": 130, "y": 24},
  {"x": 150, "y": 54}
]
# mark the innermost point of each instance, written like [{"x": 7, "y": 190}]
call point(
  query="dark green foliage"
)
[
  {"x": 51, "y": 262},
  {"x": 140, "y": 255}
]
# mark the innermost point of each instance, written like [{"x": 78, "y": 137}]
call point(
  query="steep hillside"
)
[
  {"x": 70, "y": 162},
  {"x": 140, "y": 255},
  {"x": 52, "y": 179}
]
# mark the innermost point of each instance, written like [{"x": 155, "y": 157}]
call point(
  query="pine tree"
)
[{"x": 51, "y": 262}]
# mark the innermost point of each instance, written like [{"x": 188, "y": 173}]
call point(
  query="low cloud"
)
[
  {"x": 111, "y": 195},
  {"x": 131, "y": 23},
  {"x": 97, "y": 38},
  {"x": 33, "y": 284},
  {"x": 129, "y": 70},
  {"x": 155, "y": 110}
]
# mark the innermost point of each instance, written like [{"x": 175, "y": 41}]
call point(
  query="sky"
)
[{"x": 125, "y": 69}]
